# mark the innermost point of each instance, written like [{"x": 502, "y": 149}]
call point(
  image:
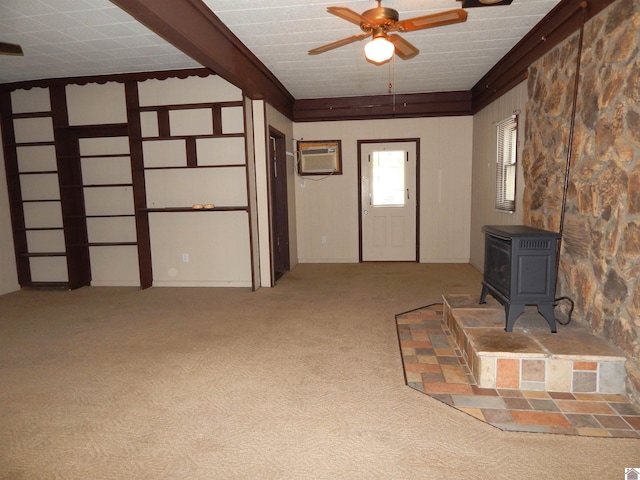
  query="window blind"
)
[{"x": 506, "y": 159}]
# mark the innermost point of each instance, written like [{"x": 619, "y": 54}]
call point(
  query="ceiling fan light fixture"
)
[{"x": 379, "y": 50}]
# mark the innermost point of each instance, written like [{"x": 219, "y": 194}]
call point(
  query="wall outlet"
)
[
  {"x": 323, "y": 239},
  {"x": 185, "y": 258}
]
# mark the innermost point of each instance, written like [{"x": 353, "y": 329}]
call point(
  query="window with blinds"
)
[{"x": 507, "y": 131}]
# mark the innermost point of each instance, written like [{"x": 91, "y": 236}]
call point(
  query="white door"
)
[{"x": 388, "y": 201}]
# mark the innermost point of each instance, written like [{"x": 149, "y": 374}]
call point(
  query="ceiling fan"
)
[
  {"x": 378, "y": 22},
  {"x": 10, "y": 49}
]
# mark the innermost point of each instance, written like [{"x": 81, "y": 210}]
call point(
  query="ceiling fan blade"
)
[
  {"x": 339, "y": 43},
  {"x": 347, "y": 14},
  {"x": 403, "y": 49},
  {"x": 10, "y": 49},
  {"x": 433, "y": 20}
]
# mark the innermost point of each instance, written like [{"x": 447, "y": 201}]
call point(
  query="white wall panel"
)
[
  {"x": 149, "y": 124},
  {"x": 262, "y": 193},
  {"x": 176, "y": 91},
  {"x": 164, "y": 153},
  {"x": 49, "y": 269},
  {"x": 185, "y": 187},
  {"x": 40, "y": 186},
  {"x": 445, "y": 191},
  {"x": 220, "y": 151},
  {"x": 232, "y": 120},
  {"x": 45, "y": 241},
  {"x": 484, "y": 168},
  {"x": 111, "y": 229},
  {"x": 103, "y": 170},
  {"x": 329, "y": 207},
  {"x": 37, "y": 129},
  {"x": 37, "y": 158},
  {"x": 217, "y": 250},
  {"x": 42, "y": 214},
  {"x": 114, "y": 266},
  {"x": 96, "y": 104},
  {"x": 109, "y": 201},
  {"x": 104, "y": 146},
  {"x": 30, "y": 101},
  {"x": 193, "y": 121}
]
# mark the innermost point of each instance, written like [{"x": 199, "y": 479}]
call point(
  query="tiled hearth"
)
[
  {"x": 529, "y": 380},
  {"x": 531, "y": 357}
]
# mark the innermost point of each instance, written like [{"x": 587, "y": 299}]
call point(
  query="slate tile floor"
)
[{"x": 434, "y": 365}]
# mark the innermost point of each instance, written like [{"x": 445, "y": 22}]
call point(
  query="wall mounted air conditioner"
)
[{"x": 319, "y": 158}]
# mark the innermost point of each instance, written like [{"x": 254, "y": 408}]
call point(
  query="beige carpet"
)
[{"x": 302, "y": 381}]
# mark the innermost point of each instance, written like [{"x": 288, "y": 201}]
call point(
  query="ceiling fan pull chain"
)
[{"x": 392, "y": 77}]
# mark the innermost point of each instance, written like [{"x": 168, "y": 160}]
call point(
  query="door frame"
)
[
  {"x": 278, "y": 206},
  {"x": 416, "y": 141}
]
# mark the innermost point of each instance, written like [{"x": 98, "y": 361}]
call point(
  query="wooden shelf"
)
[
  {"x": 98, "y": 185},
  {"x": 33, "y": 144},
  {"x": 196, "y": 136},
  {"x": 230, "y": 165},
  {"x": 190, "y": 106},
  {"x": 39, "y": 172},
  {"x": 99, "y": 216},
  {"x": 44, "y": 254},
  {"x": 190, "y": 209},
  {"x": 32, "y": 115},
  {"x": 36, "y": 229},
  {"x": 104, "y": 244}
]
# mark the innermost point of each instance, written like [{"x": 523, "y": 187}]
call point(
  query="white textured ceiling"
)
[{"x": 65, "y": 38}]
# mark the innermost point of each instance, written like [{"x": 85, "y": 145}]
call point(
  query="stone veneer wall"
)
[{"x": 600, "y": 257}]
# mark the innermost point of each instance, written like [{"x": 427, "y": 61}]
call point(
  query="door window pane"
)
[{"x": 388, "y": 187}]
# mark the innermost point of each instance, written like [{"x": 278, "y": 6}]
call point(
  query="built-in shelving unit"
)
[
  {"x": 193, "y": 154},
  {"x": 104, "y": 194},
  {"x": 34, "y": 193}
]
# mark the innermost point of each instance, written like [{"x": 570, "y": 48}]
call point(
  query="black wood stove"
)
[{"x": 520, "y": 270}]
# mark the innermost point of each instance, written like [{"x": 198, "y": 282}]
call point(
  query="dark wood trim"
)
[
  {"x": 417, "y": 179},
  {"x": 40, "y": 172},
  {"x": 383, "y": 106},
  {"x": 190, "y": 106},
  {"x": 182, "y": 167},
  {"x": 32, "y": 115},
  {"x": 193, "y": 28},
  {"x": 13, "y": 189},
  {"x": 164, "y": 122},
  {"x": 118, "y": 77},
  {"x": 192, "y": 152},
  {"x": 186, "y": 137},
  {"x": 561, "y": 22},
  {"x": 139, "y": 186},
  {"x": 31, "y": 144},
  {"x": 195, "y": 210},
  {"x": 278, "y": 203},
  {"x": 95, "y": 131},
  {"x": 72, "y": 200},
  {"x": 216, "y": 118}
]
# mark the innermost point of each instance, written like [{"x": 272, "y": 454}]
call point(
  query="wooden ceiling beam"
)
[
  {"x": 193, "y": 28},
  {"x": 383, "y": 106}
]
